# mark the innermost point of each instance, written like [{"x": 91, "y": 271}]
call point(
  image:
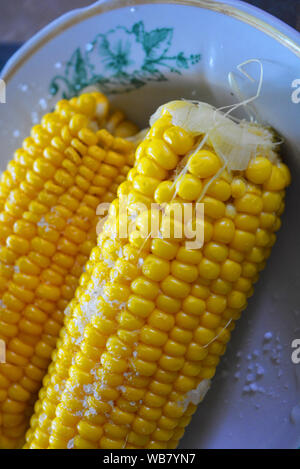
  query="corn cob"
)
[
  {"x": 151, "y": 317},
  {"x": 48, "y": 199}
]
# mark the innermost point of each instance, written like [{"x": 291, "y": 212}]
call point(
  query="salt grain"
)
[{"x": 268, "y": 336}]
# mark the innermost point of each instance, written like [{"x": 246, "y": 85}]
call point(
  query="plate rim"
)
[{"x": 237, "y": 9}]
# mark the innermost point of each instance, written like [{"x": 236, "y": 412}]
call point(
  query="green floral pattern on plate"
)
[{"x": 122, "y": 60}]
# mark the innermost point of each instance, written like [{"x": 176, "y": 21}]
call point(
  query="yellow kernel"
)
[
  {"x": 78, "y": 122},
  {"x": 48, "y": 292},
  {"x": 246, "y": 222},
  {"x": 86, "y": 103},
  {"x": 204, "y": 164},
  {"x": 162, "y": 124},
  {"x": 43, "y": 247},
  {"x": 210, "y": 320},
  {"x": 129, "y": 322},
  {"x": 190, "y": 256},
  {"x": 249, "y": 203},
  {"x": 150, "y": 413},
  {"x": 185, "y": 272},
  {"x": 196, "y": 352},
  {"x": 243, "y": 285},
  {"x": 170, "y": 363},
  {"x": 145, "y": 184},
  {"x": 168, "y": 304},
  {"x": 144, "y": 368},
  {"x": 125, "y": 269},
  {"x": 63, "y": 178},
  {"x": 200, "y": 291},
  {"x": 88, "y": 137},
  {"x": 148, "y": 167},
  {"x": 178, "y": 139},
  {"x": 24, "y": 229},
  {"x": 144, "y": 287},
  {"x": 256, "y": 254},
  {"x": 173, "y": 410},
  {"x": 114, "y": 365},
  {"x": 211, "y": 361},
  {"x": 216, "y": 304},
  {"x": 219, "y": 189},
  {"x": 142, "y": 426},
  {"x": 89, "y": 432},
  {"x": 267, "y": 220},
  {"x": 277, "y": 180},
  {"x": 163, "y": 248},
  {"x": 20, "y": 348},
  {"x": 17, "y": 244},
  {"x": 161, "y": 387},
  {"x": 167, "y": 423},
  {"x": 184, "y": 384},
  {"x": 193, "y": 305},
  {"x": 140, "y": 306},
  {"x": 136, "y": 441},
  {"x": 208, "y": 269},
  {"x": 186, "y": 321},
  {"x": 220, "y": 287},
  {"x": 188, "y": 187},
  {"x": 271, "y": 201},
  {"x": 204, "y": 336},
  {"x": 238, "y": 187},
  {"x": 104, "y": 325},
  {"x": 243, "y": 241},
  {"x": 164, "y": 192},
  {"x": 120, "y": 417},
  {"x": 236, "y": 299},
  {"x": 107, "y": 393},
  {"x": 161, "y": 320},
  {"x": 162, "y": 154},
  {"x": 151, "y": 336},
  {"x": 181, "y": 335},
  {"x": 249, "y": 269},
  {"x": 254, "y": 189},
  {"x": 230, "y": 270},
  {"x": 81, "y": 443},
  {"x": 18, "y": 393},
  {"x": 235, "y": 255},
  {"x": 148, "y": 353},
  {"x": 213, "y": 208},
  {"x": 262, "y": 237},
  {"x": 215, "y": 252},
  {"x": 117, "y": 291},
  {"x": 155, "y": 268},
  {"x": 285, "y": 170},
  {"x": 259, "y": 170},
  {"x": 175, "y": 288}
]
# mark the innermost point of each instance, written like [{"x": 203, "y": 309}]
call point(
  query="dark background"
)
[{"x": 21, "y": 19}]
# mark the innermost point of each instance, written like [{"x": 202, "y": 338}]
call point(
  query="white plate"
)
[{"x": 146, "y": 54}]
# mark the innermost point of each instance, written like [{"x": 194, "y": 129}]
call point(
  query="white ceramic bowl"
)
[{"x": 146, "y": 53}]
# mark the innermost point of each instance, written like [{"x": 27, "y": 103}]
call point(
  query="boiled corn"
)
[
  {"x": 151, "y": 318},
  {"x": 48, "y": 199}
]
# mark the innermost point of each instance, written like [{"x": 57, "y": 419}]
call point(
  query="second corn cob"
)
[
  {"x": 48, "y": 199},
  {"x": 151, "y": 318}
]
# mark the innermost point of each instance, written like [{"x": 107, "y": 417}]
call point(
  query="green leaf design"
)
[
  {"x": 76, "y": 69},
  {"x": 182, "y": 61},
  {"x": 122, "y": 59},
  {"x": 139, "y": 31},
  {"x": 157, "y": 42}
]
